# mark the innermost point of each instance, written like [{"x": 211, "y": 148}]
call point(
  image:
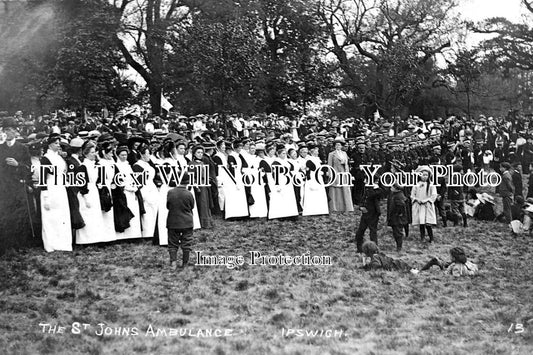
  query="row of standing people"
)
[{"x": 110, "y": 205}]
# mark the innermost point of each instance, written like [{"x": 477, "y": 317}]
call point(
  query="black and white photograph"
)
[{"x": 266, "y": 177}]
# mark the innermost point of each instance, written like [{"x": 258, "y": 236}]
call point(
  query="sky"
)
[{"x": 477, "y": 10}]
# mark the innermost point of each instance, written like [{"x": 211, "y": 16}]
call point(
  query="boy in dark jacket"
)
[
  {"x": 369, "y": 217},
  {"x": 397, "y": 214},
  {"x": 180, "y": 204},
  {"x": 457, "y": 199}
]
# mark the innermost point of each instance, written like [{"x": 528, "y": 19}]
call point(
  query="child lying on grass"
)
[{"x": 458, "y": 266}]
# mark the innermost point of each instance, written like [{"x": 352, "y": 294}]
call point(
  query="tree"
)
[
  {"x": 59, "y": 54},
  {"x": 219, "y": 59},
  {"x": 295, "y": 72},
  {"x": 466, "y": 71},
  {"x": 397, "y": 37},
  {"x": 144, "y": 35},
  {"x": 513, "y": 45},
  {"x": 88, "y": 61}
]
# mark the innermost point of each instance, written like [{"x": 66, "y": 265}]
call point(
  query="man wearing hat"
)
[
  {"x": 15, "y": 176},
  {"x": 73, "y": 167},
  {"x": 506, "y": 190}
]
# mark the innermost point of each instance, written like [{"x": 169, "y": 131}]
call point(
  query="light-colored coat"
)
[
  {"x": 340, "y": 196},
  {"x": 424, "y": 213}
]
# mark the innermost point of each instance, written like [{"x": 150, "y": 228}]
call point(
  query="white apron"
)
[
  {"x": 94, "y": 231},
  {"x": 315, "y": 199},
  {"x": 108, "y": 217},
  {"x": 134, "y": 230},
  {"x": 56, "y": 227},
  {"x": 235, "y": 203},
  {"x": 282, "y": 197},
  {"x": 151, "y": 197}
]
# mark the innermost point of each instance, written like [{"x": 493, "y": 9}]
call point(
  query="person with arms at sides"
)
[
  {"x": 202, "y": 193},
  {"x": 126, "y": 193},
  {"x": 340, "y": 197},
  {"x": 94, "y": 230},
  {"x": 282, "y": 197},
  {"x": 397, "y": 214},
  {"x": 297, "y": 176},
  {"x": 167, "y": 165},
  {"x": 236, "y": 204},
  {"x": 221, "y": 160},
  {"x": 149, "y": 192},
  {"x": 73, "y": 167},
  {"x": 423, "y": 196},
  {"x": 15, "y": 177},
  {"x": 506, "y": 190},
  {"x": 259, "y": 209},
  {"x": 315, "y": 199},
  {"x": 105, "y": 184},
  {"x": 56, "y": 228}
]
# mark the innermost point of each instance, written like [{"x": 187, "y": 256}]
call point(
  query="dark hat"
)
[
  {"x": 34, "y": 146},
  {"x": 237, "y": 143},
  {"x": 9, "y": 122},
  {"x": 105, "y": 137},
  {"x": 220, "y": 142},
  {"x": 122, "y": 148},
  {"x": 136, "y": 139},
  {"x": 280, "y": 147},
  {"x": 196, "y": 148},
  {"x": 209, "y": 145},
  {"x": 506, "y": 165},
  {"x": 52, "y": 138},
  {"x": 122, "y": 138}
]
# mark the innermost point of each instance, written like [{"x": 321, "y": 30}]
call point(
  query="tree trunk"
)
[{"x": 155, "y": 92}]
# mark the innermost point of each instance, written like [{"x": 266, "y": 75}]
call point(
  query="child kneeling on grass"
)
[
  {"x": 458, "y": 266},
  {"x": 180, "y": 204}
]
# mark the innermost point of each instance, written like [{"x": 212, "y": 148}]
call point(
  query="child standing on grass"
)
[
  {"x": 180, "y": 204},
  {"x": 396, "y": 214},
  {"x": 423, "y": 196}
]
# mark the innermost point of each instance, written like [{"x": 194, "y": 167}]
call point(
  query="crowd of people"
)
[{"x": 88, "y": 191}]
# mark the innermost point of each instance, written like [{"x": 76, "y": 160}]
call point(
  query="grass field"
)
[{"x": 130, "y": 286}]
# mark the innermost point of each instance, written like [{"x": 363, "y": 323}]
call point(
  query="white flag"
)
[{"x": 165, "y": 105}]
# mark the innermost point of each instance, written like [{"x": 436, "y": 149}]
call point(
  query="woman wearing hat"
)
[
  {"x": 256, "y": 155},
  {"x": 106, "y": 166},
  {"x": 202, "y": 193},
  {"x": 149, "y": 192},
  {"x": 297, "y": 173},
  {"x": 89, "y": 201},
  {"x": 56, "y": 231},
  {"x": 15, "y": 162},
  {"x": 236, "y": 203},
  {"x": 166, "y": 161},
  {"x": 423, "y": 196},
  {"x": 340, "y": 197},
  {"x": 282, "y": 197},
  {"x": 127, "y": 212},
  {"x": 220, "y": 159},
  {"x": 315, "y": 199}
]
